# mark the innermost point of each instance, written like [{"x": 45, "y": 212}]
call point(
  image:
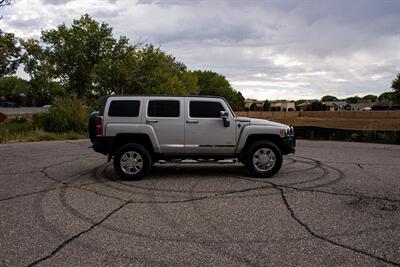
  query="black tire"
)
[
  {"x": 92, "y": 126},
  {"x": 252, "y": 149},
  {"x": 135, "y": 149}
]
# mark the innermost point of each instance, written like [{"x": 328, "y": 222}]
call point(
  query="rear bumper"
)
[
  {"x": 288, "y": 145},
  {"x": 102, "y": 145}
]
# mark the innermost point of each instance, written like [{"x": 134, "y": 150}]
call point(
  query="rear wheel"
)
[
  {"x": 132, "y": 161},
  {"x": 263, "y": 159}
]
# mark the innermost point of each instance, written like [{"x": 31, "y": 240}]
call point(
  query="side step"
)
[{"x": 199, "y": 161}]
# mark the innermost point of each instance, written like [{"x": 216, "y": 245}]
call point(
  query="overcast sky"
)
[{"x": 266, "y": 49}]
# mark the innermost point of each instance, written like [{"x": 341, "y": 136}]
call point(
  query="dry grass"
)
[
  {"x": 343, "y": 123},
  {"x": 21, "y": 131}
]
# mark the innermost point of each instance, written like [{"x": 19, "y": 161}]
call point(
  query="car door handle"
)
[
  {"x": 151, "y": 121},
  {"x": 192, "y": 121}
]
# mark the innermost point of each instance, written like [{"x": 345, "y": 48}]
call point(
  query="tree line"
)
[
  {"x": 85, "y": 60},
  {"x": 392, "y": 96}
]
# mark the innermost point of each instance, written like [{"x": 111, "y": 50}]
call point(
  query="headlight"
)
[
  {"x": 291, "y": 130},
  {"x": 288, "y": 131}
]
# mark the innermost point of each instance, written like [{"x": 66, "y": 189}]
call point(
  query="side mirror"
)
[
  {"x": 223, "y": 114},
  {"x": 224, "y": 117}
]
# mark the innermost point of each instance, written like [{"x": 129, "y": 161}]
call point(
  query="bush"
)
[
  {"x": 388, "y": 138},
  {"x": 17, "y": 120},
  {"x": 11, "y": 130},
  {"x": 355, "y": 137},
  {"x": 65, "y": 115}
]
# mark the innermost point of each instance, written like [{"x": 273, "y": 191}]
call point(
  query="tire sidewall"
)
[
  {"x": 249, "y": 159},
  {"x": 147, "y": 162}
]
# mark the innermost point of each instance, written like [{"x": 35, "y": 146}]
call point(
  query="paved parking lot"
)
[{"x": 333, "y": 203}]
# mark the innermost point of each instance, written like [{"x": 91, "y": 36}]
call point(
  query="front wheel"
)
[
  {"x": 132, "y": 162},
  {"x": 263, "y": 159}
]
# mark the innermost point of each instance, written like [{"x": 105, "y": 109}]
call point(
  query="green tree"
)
[
  {"x": 214, "y": 84},
  {"x": 396, "y": 85},
  {"x": 391, "y": 96},
  {"x": 14, "y": 89},
  {"x": 89, "y": 62},
  {"x": 9, "y": 54},
  {"x": 372, "y": 98},
  {"x": 329, "y": 98},
  {"x": 353, "y": 99},
  {"x": 72, "y": 53},
  {"x": 386, "y": 95},
  {"x": 115, "y": 73},
  {"x": 34, "y": 60},
  {"x": 44, "y": 92},
  {"x": 159, "y": 73},
  {"x": 43, "y": 89}
]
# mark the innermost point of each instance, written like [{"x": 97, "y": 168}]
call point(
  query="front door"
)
[{"x": 205, "y": 132}]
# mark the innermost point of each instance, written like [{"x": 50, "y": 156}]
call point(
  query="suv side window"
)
[
  {"x": 203, "y": 109},
  {"x": 124, "y": 108},
  {"x": 163, "y": 108}
]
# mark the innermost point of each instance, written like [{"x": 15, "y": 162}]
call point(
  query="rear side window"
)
[
  {"x": 201, "y": 109},
  {"x": 124, "y": 108},
  {"x": 163, "y": 108}
]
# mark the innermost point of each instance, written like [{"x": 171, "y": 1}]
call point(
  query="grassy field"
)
[
  {"x": 343, "y": 123},
  {"x": 32, "y": 135}
]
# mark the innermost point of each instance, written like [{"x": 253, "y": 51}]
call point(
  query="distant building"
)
[
  {"x": 335, "y": 105},
  {"x": 282, "y": 105},
  {"x": 358, "y": 107},
  {"x": 250, "y": 105},
  {"x": 330, "y": 106},
  {"x": 307, "y": 104},
  {"x": 254, "y": 105},
  {"x": 303, "y": 106},
  {"x": 275, "y": 105}
]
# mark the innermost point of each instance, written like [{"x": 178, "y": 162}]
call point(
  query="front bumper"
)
[{"x": 288, "y": 144}]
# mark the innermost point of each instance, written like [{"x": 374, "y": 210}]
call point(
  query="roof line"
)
[{"x": 144, "y": 95}]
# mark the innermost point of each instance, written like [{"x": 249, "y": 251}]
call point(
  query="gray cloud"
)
[
  {"x": 56, "y": 2},
  {"x": 267, "y": 49},
  {"x": 25, "y": 23}
]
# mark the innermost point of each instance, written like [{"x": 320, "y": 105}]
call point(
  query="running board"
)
[{"x": 199, "y": 161}]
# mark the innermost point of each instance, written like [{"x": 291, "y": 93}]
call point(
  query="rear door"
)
[
  {"x": 205, "y": 132},
  {"x": 166, "y": 116}
]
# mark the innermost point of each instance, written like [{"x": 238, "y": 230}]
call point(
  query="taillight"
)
[{"x": 99, "y": 126}]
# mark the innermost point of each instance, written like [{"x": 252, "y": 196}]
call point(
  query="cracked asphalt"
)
[{"x": 332, "y": 203}]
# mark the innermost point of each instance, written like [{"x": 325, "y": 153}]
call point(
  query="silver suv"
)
[{"x": 138, "y": 131}]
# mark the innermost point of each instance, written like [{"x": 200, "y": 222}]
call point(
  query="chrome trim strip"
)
[
  {"x": 192, "y": 145},
  {"x": 172, "y": 145}
]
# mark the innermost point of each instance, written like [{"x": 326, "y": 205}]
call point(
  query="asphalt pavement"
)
[{"x": 332, "y": 203}]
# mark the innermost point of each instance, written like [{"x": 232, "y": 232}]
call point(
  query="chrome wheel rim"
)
[
  {"x": 264, "y": 159},
  {"x": 131, "y": 162}
]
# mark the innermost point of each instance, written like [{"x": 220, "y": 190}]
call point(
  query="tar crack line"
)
[
  {"x": 323, "y": 238},
  {"x": 69, "y": 240}
]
